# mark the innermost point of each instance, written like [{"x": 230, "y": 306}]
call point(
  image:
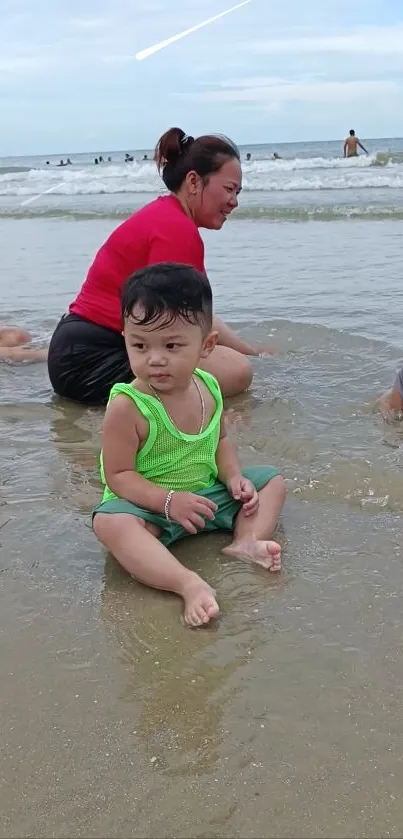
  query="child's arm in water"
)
[
  {"x": 120, "y": 444},
  {"x": 391, "y": 401},
  {"x": 26, "y": 354},
  {"x": 13, "y": 341},
  {"x": 13, "y": 336},
  {"x": 226, "y": 457}
]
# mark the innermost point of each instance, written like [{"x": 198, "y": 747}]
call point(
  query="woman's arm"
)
[{"x": 228, "y": 338}]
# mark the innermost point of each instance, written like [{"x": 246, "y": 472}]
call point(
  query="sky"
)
[{"x": 285, "y": 71}]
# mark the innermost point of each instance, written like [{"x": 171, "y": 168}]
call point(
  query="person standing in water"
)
[{"x": 351, "y": 145}]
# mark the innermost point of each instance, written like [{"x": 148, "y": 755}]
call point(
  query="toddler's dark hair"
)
[{"x": 169, "y": 290}]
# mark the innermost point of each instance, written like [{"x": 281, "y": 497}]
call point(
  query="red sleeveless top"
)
[{"x": 159, "y": 232}]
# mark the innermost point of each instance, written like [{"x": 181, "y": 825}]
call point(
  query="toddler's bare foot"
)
[
  {"x": 200, "y": 603},
  {"x": 266, "y": 554}
]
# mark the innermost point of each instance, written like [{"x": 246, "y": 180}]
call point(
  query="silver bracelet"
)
[{"x": 168, "y": 504}]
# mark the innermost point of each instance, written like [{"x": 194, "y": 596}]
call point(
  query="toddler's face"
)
[{"x": 165, "y": 353}]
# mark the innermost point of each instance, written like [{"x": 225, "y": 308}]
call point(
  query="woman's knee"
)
[
  {"x": 243, "y": 373},
  {"x": 233, "y": 370},
  {"x": 235, "y": 374}
]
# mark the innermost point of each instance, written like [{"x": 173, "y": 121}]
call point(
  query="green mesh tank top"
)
[{"x": 169, "y": 457}]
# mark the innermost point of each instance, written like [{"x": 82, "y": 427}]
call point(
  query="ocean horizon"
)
[{"x": 309, "y": 181}]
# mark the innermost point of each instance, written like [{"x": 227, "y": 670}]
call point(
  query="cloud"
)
[
  {"x": 374, "y": 40},
  {"x": 20, "y": 64},
  {"x": 90, "y": 22},
  {"x": 267, "y": 91},
  {"x": 118, "y": 59}
]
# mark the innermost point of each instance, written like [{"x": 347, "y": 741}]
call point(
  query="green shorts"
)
[{"x": 227, "y": 508}]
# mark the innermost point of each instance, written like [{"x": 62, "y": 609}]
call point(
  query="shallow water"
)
[
  {"x": 284, "y": 719},
  {"x": 310, "y": 181}
]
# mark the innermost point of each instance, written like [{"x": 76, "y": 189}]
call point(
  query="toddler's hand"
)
[
  {"x": 243, "y": 490},
  {"x": 191, "y": 510}
]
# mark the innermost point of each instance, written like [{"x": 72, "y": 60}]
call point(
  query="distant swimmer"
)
[
  {"x": 248, "y": 156},
  {"x": 129, "y": 158},
  {"x": 276, "y": 156},
  {"x": 351, "y": 145}
]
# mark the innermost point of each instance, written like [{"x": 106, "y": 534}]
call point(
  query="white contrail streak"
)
[
  {"x": 39, "y": 195},
  {"x": 162, "y": 44}
]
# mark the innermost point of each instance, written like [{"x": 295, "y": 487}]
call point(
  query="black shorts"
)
[{"x": 85, "y": 360}]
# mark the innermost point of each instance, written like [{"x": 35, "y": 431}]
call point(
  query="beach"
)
[{"x": 284, "y": 718}]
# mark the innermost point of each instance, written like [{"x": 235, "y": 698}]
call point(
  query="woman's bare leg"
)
[{"x": 233, "y": 370}]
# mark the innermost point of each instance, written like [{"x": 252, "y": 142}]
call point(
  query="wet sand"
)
[{"x": 283, "y": 719}]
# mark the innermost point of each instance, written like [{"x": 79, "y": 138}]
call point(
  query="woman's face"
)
[{"x": 213, "y": 201}]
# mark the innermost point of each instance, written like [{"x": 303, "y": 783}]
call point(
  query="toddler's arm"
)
[
  {"x": 120, "y": 444},
  {"x": 391, "y": 401},
  {"x": 226, "y": 458}
]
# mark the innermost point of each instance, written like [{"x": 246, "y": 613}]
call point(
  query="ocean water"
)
[
  {"x": 284, "y": 719},
  {"x": 311, "y": 180}
]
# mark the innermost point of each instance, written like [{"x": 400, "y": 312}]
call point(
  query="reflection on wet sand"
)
[
  {"x": 76, "y": 433},
  {"x": 182, "y": 680}
]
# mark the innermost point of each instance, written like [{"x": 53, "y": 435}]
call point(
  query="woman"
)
[{"x": 87, "y": 354}]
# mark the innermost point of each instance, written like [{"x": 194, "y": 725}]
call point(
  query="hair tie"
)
[{"x": 187, "y": 140}]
